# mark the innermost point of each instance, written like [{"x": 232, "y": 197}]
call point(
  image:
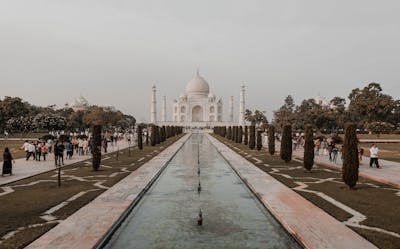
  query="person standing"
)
[
  {"x": 44, "y": 150},
  {"x": 373, "y": 151},
  {"x": 38, "y": 152},
  {"x": 8, "y": 160},
  {"x": 70, "y": 150},
  {"x": 60, "y": 149},
  {"x": 55, "y": 151}
]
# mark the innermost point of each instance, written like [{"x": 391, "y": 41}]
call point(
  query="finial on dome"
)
[{"x": 197, "y": 72}]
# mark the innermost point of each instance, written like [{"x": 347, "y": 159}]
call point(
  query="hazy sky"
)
[{"x": 112, "y": 51}]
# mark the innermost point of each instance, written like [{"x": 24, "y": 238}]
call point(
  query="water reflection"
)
[{"x": 168, "y": 216}]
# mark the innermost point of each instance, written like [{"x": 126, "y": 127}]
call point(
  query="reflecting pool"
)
[{"x": 166, "y": 217}]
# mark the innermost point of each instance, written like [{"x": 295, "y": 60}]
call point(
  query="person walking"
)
[
  {"x": 8, "y": 160},
  {"x": 373, "y": 154},
  {"x": 25, "y": 147}
]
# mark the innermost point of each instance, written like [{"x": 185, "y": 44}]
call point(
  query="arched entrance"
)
[{"x": 197, "y": 114}]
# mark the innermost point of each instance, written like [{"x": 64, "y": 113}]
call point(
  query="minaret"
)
[
  {"x": 164, "y": 109},
  {"x": 231, "y": 109},
  {"x": 242, "y": 105},
  {"x": 153, "y": 118}
]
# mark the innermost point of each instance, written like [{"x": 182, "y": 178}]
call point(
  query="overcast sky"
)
[{"x": 112, "y": 51}]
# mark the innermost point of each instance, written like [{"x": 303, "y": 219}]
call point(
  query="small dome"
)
[
  {"x": 211, "y": 95},
  {"x": 182, "y": 95},
  {"x": 197, "y": 87}
]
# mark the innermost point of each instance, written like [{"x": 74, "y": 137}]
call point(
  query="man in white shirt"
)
[
  {"x": 25, "y": 147},
  {"x": 373, "y": 154}
]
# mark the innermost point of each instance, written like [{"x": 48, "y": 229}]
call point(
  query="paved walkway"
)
[
  {"x": 88, "y": 225},
  {"x": 24, "y": 169},
  {"x": 389, "y": 171},
  {"x": 311, "y": 226}
]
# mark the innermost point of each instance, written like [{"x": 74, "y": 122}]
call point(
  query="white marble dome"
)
[{"x": 197, "y": 87}]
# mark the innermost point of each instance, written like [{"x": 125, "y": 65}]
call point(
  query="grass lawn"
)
[
  {"x": 14, "y": 146},
  {"x": 26, "y": 135},
  {"x": 387, "y": 151},
  {"x": 378, "y": 202},
  {"x": 22, "y": 211},
  {"x": 381, "y": 136}
]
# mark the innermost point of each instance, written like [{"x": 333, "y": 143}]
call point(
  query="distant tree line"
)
[
  {"x": 369, "y": 109},
  {"x": 17, "y": 115}
]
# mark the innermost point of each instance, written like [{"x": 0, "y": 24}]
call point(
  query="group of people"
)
[
  {"x": 328, "y": 147},
  {"x": 76, "y": 144}
]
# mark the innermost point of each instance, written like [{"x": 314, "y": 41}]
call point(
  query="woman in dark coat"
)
[{"x": 8, "y": 160}]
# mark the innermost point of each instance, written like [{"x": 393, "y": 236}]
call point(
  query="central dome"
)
[{"x": 197, "y": 87}]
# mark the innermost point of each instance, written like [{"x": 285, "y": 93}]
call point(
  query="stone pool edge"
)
[
  {"x": 86, "y": 227},
  {"x": 311, "y": 226}
]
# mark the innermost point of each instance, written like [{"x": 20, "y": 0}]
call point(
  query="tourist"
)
[
  {"x": 80, "y": 146},
  {"x": 50, "y": 144},
  {"x": 44, "y": 150},
  {"x": 5, "y": 135},
  {"x": 69, "y": 149},
  {"x": 31, "y": 151},
  {"x": 105, "y": 145},
  {"x": 373, "y": 151},
  {"x": 331, "y": 147},
  {"x": 8, "y": 160},
  {"x": 55, "y": 151},
  {"x": 60, "y": 149},
  {"x": 360, "y": 154},
  {"x": 85, "y": 147},
  {"x": 25, "y": 147},
  {"x": 317, "y": 144},
  {"x": 38, "y": 150},
  {"x": 334, "y": 153},
  {"x": 60, "y": 153}
]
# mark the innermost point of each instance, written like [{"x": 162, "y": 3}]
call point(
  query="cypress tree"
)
[
  {"x": 286, "y": 143},
  {"x": 240, "y": 140},
  {"x": 153, "y": 135},
  {"x": 246, "y": 135},
  {"x": 140, "y": 137},
  {"x": 163, "y": 132},
  {"x": 147, "y": 136},
  {"x": 271, "y": 140},
  {"x": 168, "y": 131},
  {"x": 224, "y": 131},
  {"x": 229, "y": 133},
  {"x": 350, "y": 154},
  {"x": 173, "y": 131},
  {"x": 252, "y": 137},
  {"x": 157, "y": 135},
  {"x": 259, "y": 140},
  {"x": 235, "y": 131},
  {"x": 96, "y": 147},
  {"x": 308, "y": 159}
]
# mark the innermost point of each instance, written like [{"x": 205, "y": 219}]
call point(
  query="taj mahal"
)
[{"x": 197, "y": 107}]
